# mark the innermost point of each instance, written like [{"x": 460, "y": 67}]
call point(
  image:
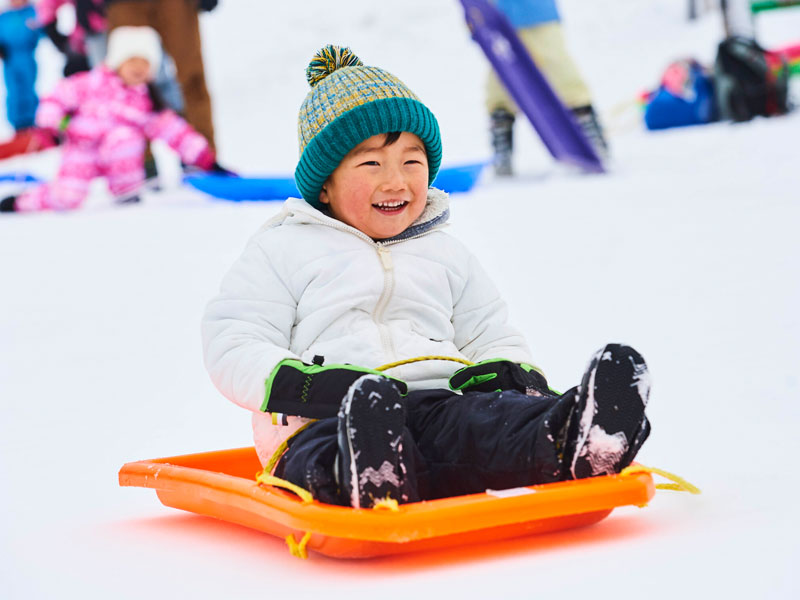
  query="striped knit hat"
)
[{"x": 347, "y": 104}]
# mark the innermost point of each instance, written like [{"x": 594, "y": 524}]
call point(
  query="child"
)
[
  {"x": 538, "y": 26},
  {"x": 19, "y": 36},
  {"x": 112, "y": 112},
  {"x": 359, "y": 273}
]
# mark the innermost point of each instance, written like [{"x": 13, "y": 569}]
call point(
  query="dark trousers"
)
[{"x": 452, "y": 445}]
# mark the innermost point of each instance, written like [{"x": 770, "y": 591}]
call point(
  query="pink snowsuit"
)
[{"x": 106, "y": 135}]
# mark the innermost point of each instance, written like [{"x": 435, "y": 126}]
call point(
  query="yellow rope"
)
[
  {"x": 267, "y": 479},
  {"x": 407, "y": 361},
  {"x": 679, "y": 483},
  {"x": 298, "y": 549}
]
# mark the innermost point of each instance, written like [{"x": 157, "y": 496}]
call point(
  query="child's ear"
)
[{"x": 323, "y": 195}]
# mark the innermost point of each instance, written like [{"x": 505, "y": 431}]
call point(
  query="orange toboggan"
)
[{"x": 231, "y": 485}]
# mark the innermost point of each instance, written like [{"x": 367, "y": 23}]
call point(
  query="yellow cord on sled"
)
[
  {"x": 679, "y": 483},
  {"x": 407, "y": 361},
  {"x": 296, "y": 548},
  {"x": 267, "y": 479}
]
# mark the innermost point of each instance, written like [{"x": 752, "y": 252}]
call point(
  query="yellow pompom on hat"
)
[{"x": 348, "y": 103}]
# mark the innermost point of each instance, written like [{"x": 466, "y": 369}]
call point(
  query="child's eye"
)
[
  {"x": 413, "y": 162},
  {"x": 370, "y": 163}
]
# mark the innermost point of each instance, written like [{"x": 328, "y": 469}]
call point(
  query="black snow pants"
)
[{"x": 453, "y": 444}]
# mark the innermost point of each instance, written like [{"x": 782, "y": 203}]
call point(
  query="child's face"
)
[
  {"x": 134, "y": 71},
  {"x": 379, "y": 189}
]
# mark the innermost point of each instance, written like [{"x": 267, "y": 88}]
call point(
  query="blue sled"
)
[
  {"x": 452, "y": 180},
  {"x": 19, "y": 178}
]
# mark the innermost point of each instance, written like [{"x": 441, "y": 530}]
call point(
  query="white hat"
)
[{"x": 129, "y": 42}]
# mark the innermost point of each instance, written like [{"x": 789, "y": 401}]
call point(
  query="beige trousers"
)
[{"x": 548, "y": 48}]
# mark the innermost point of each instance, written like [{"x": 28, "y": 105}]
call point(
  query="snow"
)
[{"x": 688, "y": 250}]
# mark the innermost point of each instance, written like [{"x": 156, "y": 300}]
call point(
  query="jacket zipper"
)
[{"x": 385, "y": 256}]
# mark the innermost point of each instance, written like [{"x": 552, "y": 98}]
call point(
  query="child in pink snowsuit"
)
[{"x": 111, "y": 115}]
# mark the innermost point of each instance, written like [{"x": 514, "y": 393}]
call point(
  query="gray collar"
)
[{"x": 435, "y": 213}]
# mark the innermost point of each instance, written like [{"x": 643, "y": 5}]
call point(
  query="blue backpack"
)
[{"x": 685, "y": 97}]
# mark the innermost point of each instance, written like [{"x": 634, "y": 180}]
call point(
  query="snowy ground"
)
[{"x": 687, "y": 250}]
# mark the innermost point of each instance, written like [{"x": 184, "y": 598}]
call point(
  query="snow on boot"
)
[
  {"x": 590, "y": 126},
  {"x": 370, "y": 437},
  {"x": 609, "y": 425},
  {"x": 502, "y": 132}
]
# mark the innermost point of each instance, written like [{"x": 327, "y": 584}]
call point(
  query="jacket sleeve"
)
[
  {"x": 247, "y": 328},
  {"x": 65, "y": 99},
  {"x": 168, "y": 127},
  {"x": 480, "y": 321}
]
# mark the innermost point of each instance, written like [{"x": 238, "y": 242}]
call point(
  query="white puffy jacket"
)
[{"x": 308, "y": 284}]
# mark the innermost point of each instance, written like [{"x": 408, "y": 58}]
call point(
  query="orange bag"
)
[{"x": 222, "y": 484}]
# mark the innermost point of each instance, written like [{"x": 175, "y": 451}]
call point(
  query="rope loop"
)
[
  {"x": 298, "y": 549},
  {"x": 679, "y": 484},
  {"x": 265, "y": 478}
]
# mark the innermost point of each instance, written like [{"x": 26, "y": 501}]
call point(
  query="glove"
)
[
  {"x": 497, "y": 375},
  {"x": 313, "y": 391},
  {"x": 207, "y": 5},
  {"x": 206, "y": 159},
  {"x": 42, "y": 139},
  {"x": 76, "y": 63}
]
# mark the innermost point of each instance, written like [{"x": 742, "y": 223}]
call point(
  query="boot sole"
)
[{"x": 614, "y": 393}]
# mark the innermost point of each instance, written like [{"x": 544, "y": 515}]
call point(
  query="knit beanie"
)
[
  {"x": 347, "y": 104},
  {"x": 129, "y": 42}
]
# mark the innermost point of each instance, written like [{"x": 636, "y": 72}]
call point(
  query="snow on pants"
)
[
  {"x": 453, "y": 445},
  {"x": 119, "y": 156},
  {"x": 18, "y": 41},
  {"x": 548, "y": 49}
]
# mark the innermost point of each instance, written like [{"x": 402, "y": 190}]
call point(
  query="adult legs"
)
[
  {"x": 19, "y": 42},
  {"x": 180, "y": 33}
]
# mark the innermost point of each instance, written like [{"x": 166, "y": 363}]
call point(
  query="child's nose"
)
[{"x": 395, "y": 178}]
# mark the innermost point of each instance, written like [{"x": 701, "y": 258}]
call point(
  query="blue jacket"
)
[{"x": 526, "y": 13}]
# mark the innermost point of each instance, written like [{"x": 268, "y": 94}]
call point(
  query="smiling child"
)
[{"x": 359, "y": 273}]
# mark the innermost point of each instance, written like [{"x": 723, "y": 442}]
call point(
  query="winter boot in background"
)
[
  {"x": 608, "y": 425},
  {"x": 151, "y": 170},
  {"x": 502, "y": 131},
  {"x": 128, "y": 199},
  {"x": 370, "y": 466},
  {"x": 8, "y": 204},
  {"x": 590, "y": 126}
]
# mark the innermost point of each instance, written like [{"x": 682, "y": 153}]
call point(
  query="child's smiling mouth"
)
[{"x": 390, "y": 206}]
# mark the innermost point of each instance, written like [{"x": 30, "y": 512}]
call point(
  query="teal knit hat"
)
[{"x": 347, "y": 104}]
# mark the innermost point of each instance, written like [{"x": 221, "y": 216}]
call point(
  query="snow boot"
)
[
  {"x": 128, "y": 199},
  {"x": 608, "y": 424},
  {"x": 370, "y": 465},
  {"x": 8, "y": 204},
  {"x": 502, "y": 131},
  {"x": 590, "y": 126}
]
